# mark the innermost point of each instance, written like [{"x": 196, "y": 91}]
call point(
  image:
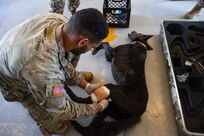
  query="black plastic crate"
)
[{"x": 117, "y": 12}]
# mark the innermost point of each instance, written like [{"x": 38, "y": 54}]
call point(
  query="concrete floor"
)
[{"x": 146, "y": 17}]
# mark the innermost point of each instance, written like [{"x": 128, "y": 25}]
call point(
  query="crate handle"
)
[
  {"x": 117, "y": 0},
  {"x": 116, "y": 12}
]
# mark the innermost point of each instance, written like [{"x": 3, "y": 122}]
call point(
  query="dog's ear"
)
[
  {"x": 144, "y": 40},
  {"x": 134, "y": 36},
  {"x": 148, "y": 47}
]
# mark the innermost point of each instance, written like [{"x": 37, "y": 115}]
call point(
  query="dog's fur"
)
[{"x": 130, "y": 95}]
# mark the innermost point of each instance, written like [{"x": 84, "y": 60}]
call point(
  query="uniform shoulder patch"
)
[{"x": 58, "y": 90}]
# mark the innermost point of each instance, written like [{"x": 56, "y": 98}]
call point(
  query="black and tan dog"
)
[{"x": 130, "y": 95}]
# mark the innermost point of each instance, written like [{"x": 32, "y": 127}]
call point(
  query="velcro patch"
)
[{"x": 58, "y": 90}]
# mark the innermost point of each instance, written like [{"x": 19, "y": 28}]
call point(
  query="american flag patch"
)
[{"x": 58, "y": 90}]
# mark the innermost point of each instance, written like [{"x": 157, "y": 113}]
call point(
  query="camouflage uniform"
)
[
  {"x": 58, "y": 5},
  {"x": 201, "y": 3},
  {"x": 33, "y": 63},
  {"x": 195, "y": 11}
]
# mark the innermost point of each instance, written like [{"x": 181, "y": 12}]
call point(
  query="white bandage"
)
[
  {"x": 104, "y": 103},
  {"x": 100, "y": 94},
  {"x": 93, "y": 98},
  {"x": 87, "y": 88}
]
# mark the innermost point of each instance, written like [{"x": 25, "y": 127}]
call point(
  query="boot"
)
[
  {"x": 44, "y": 131},
  {"x": 60, "y": 130},
  {"x": 88, "y": 76},
  {"x": 194, "y": 12}
]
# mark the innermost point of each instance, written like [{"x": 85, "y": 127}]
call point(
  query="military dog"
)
[{"x": 130, "y": 95}]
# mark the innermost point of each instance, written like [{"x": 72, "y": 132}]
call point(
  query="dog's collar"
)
[{"x": 139, "y": 43}]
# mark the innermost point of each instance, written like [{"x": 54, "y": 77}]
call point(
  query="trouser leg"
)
[
  {"x": 57, "y": 6},
  {"x": 73, "y": 5},
  {"x": 196, "y": 10},
  {"x": 48, "y": 124}
]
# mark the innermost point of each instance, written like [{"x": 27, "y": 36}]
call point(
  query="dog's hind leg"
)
[
  {"x": 117, "y": 112},
  {"x": 99, "y": 118},
  {"x": 112, "y": 128},
  {"x": 82, "y": 130},
  {"x": 92, "y": 129}
]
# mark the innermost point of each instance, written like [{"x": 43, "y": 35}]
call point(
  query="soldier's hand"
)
[
  {"x": 90, "y": 88},
  {"x": 102, "y": 105}
]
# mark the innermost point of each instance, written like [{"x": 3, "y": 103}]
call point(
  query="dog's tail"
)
[{"x": 115, "y": 127}]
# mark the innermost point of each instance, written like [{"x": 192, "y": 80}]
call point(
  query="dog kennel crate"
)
[
  {"x": 183, "y": 49},
  {"x": 117, "y": 12}
]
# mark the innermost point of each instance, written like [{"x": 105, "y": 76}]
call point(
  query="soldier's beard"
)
[{"x": 79, "y": 50}]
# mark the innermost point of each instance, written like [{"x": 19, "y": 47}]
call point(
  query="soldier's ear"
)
[{"x": 83, "y": 42}]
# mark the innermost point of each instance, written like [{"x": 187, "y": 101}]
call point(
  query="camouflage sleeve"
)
[
  {"x": 75, "y": 110},
  {"x": 73, "y": 4},
  {"x": 72, "y": 76},
  {"x": 59, "y": 104},
  {"x": 45, "y": 81}
]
